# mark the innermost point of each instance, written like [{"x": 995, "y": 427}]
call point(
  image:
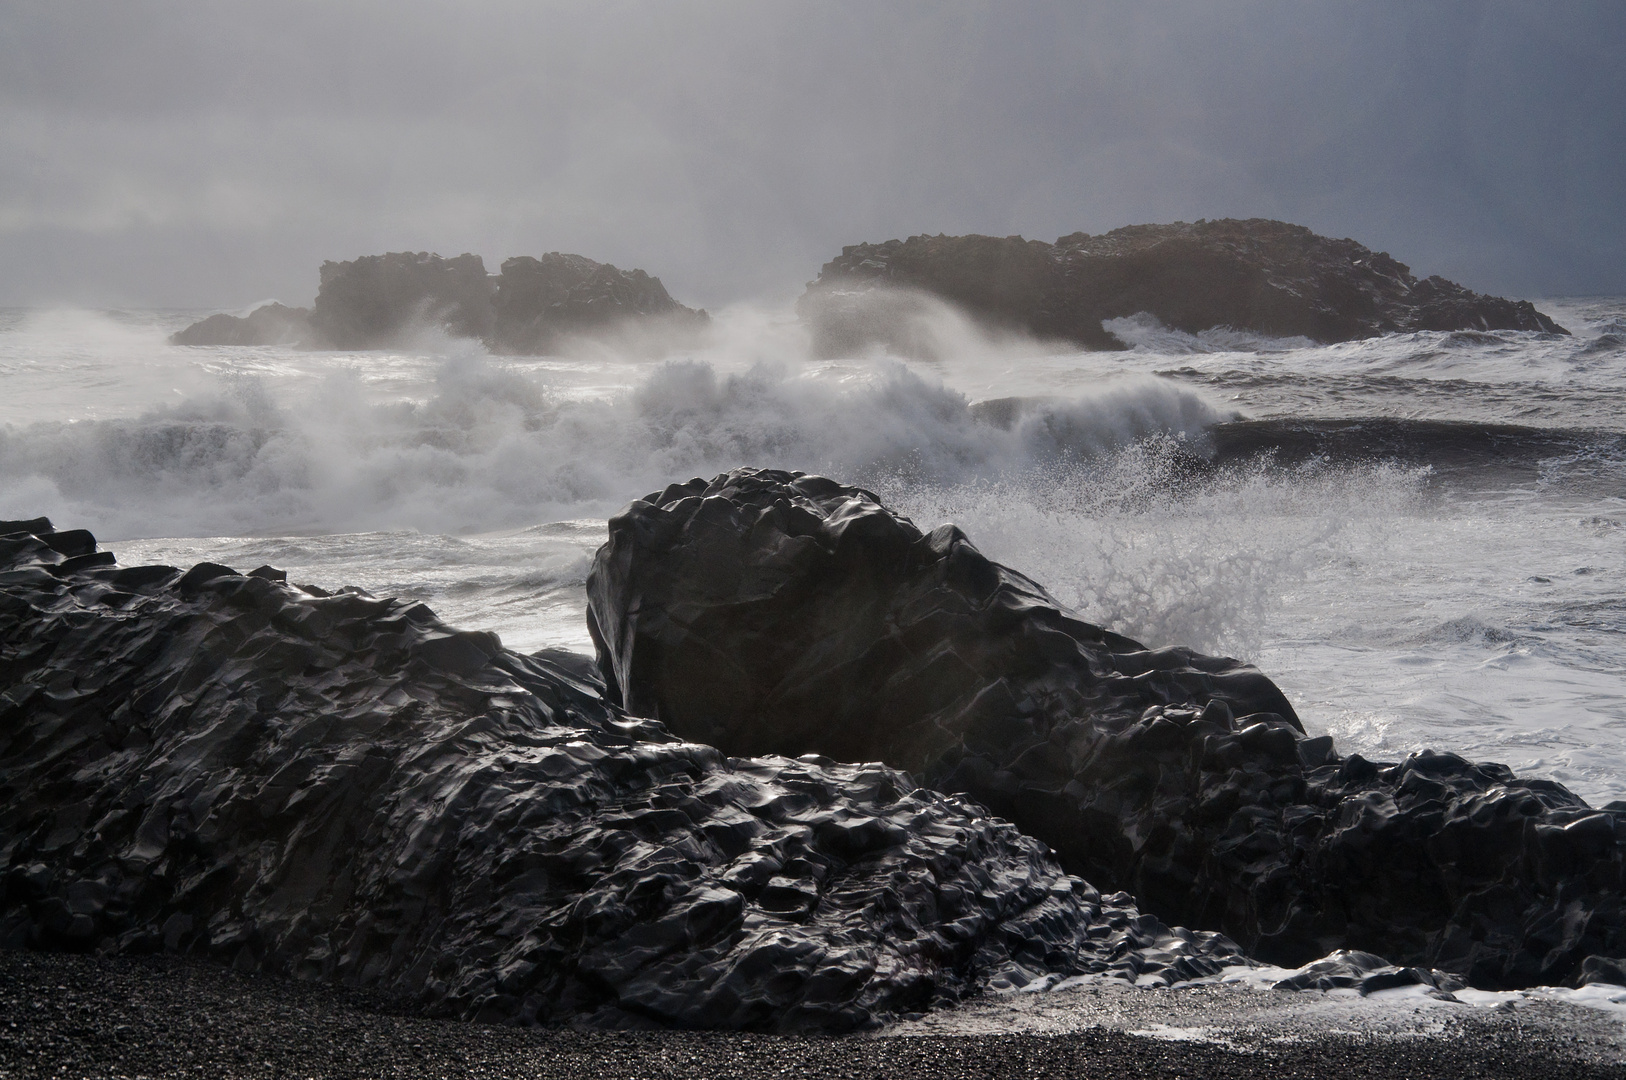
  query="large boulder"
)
[
  {"x": 343, "y": 788},
  {"x": 268, "y": 324},
  {"x": 1257, "y": 275},
  {"x": 541, "y": 302},
  {"x": 772, "y": 612},
  {"x": 368, "y": 303}
]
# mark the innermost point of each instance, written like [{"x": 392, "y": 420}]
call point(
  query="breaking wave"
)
[
  {"x": 1136, "y": 541},
  {"x": 494, "y": 446}
]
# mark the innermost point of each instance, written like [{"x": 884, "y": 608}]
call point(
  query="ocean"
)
[{"x": 1421, "y": 538}]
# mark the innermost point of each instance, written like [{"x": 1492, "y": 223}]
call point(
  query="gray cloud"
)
[{"x": 184, "y": 154}]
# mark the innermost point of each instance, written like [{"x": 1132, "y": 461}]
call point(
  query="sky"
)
[{"x": 213, "y": 155}]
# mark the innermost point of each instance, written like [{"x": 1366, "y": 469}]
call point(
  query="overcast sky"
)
[{"x": 199, "y": 155}]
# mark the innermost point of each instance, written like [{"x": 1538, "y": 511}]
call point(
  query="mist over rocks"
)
[
  {"x": 541, "y": 301},
  {"x": 531, "y": 307},
  {"x": 775, "y": 612},
  {"x": 370, "y": 302},
  {"x": 342, "y": 788},
  {"x": 1269, "y": 277},
  {"x": 268, "y": 324}
]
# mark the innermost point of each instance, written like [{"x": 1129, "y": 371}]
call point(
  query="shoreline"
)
[{"x": 83, "y": 1016}]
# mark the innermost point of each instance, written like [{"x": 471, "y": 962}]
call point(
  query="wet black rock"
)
[
  {"x": 772, "y": 612},
  {"x": 541, "y": 302},
  {"x": 268, "y": 324},
  {"x": 1367, "y": 974},
  {"x": 368, "y": 303},
  {"x": 1264, "y": 276},
  {"x": 342, "y": 788}
]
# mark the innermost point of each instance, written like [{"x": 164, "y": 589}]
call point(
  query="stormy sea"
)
[{"x": 1419, "y": 537}]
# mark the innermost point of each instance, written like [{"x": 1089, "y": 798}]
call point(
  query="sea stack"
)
[
  {"x": 534, "y": 306},
  {"x": 1268, "y": 277}
]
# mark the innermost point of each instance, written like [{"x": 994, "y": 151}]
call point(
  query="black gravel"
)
[{"x": 79, "y": 1016}]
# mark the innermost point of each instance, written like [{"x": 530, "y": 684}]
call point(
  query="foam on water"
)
[
  {"x": 348, "y": 442},
  {"x": 1396, "y": 616},
  {"x": 1399, "y": 608}
]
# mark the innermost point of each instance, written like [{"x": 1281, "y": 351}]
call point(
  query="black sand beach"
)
[{"x": 79, "y": 1016}]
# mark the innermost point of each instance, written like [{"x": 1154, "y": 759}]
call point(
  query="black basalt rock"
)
[
  {"x": 773, "y": 612},
  {"x": 343, "y": 788},
  {"x": 1265, "y": 276}
]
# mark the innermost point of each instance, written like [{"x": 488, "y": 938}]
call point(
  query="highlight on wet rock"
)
[
  {"x": 337, "y": 787},
  {"x": 777, "y": 612}
]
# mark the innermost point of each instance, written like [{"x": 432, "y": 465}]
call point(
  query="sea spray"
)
[
  {"x": 492, "y": 445},
  {"x": 1138, "y": 541}
]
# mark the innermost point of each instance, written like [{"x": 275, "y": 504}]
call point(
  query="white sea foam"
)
[
  {"x": 1396, "y": 615},
  {"x": 1398, "y": 609},
  {"x": 481, "y": 443}
]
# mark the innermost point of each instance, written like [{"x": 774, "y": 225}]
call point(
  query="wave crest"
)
[{"x": 493, "y": 446}]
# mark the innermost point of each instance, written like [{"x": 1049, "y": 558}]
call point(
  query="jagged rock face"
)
[
  {"x": 340, "y": 787},
  {"x": 539, "y": 301},
  {"x": 1264, "y": 276},
  {"x": 778, "y": 612},
  {"x": 268, "y": 324},
  {"x": 367, "y": 303}
]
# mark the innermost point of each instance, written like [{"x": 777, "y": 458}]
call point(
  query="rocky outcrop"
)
[
  {"x": 771, "y": 612},
  {"x": 532, "y": 307},
  {"x": 343, "y": 788},
  {"x": 370, "y": 302},
  {"x": 268, "y": 324},
  {"x": 540, "y": 302},
  {"x": 1264, "y": 276}
]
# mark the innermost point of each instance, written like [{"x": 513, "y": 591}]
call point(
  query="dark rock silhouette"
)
[
  {"x": 1258, "y": 275},
  {"x": 367, "y": 303},
  {"x": 772, "y": 612},
  {"x": 541, "y": 301},
  {"x": 530, "y": 308},
  {"x": 268, "y": 324},
  {"x": 343, "y": 788}
]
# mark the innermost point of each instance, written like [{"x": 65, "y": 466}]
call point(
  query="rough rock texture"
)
[
  {"x": 342, "y": 788},
  {"x": 369, "y": 302},
  {"x": 1264, "y": 276},
  {"x": 771, "y": 612},
  {"x": 540, "y": 301},
  {"x": 268, "y": 324}
]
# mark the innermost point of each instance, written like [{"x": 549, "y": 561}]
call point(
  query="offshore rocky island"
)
[
  {"x": 342, "y": 788},
  {"x": 1264, "y": 276},
  {"x": 531, "y": 307},
  {"x": 1268, "y": 277}
]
